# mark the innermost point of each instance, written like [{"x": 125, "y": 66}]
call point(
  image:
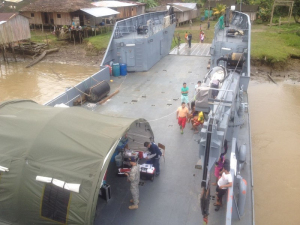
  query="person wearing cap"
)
[
  {"x": 224, "y": 183},
  {"x": 134, "y": 178},
  {"x": 155, "y": 154}
]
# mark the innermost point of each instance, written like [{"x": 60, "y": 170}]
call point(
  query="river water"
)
[
  {"x": 41, "y": 82},
  {"x": 275, "y": 116}
]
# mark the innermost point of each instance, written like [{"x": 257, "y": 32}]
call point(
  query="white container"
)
[{"x": 118, "y": 160}]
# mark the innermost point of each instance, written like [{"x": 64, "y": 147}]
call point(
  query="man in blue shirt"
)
[{"x": 156, "y": 153}]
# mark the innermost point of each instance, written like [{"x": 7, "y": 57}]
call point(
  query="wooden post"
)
[
  {"x": 291, "y": 10},
  {"x": 95, "y": 25},
  {"x": 22, "y": 51},
  {"x": 47, "y": 41},
  {"x": 271, "y": 20},
  {"x": 4, "y": 51},
  {"x": 13, "y": 51}
]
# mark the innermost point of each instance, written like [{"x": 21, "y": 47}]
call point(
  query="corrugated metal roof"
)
[
  {"x": 100, "y": 12},
  {"x": 112, "y": 4},
  {"x": 14, "y": 1},
  {"x": 186, "y": 5}
]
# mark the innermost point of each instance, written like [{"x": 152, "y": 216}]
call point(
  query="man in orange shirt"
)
[{"x": 182, "y": 114}]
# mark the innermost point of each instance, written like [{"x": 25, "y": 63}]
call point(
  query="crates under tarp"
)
[{"x": 53, "y": 160}]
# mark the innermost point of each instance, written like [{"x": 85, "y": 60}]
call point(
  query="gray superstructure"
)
[
  {"x": 223, "y": 96},
  {"x": 140, "y": 41}
]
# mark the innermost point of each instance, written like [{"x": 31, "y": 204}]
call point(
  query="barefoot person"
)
[{"x": 182, "y": 116}]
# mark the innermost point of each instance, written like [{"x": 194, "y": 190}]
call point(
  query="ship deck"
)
[{"x": 173, "y": 197}]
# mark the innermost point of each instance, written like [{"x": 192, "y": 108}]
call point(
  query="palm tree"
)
[
  {"x": 149, "y": 3},
  {"x": 219, "y": 10}
]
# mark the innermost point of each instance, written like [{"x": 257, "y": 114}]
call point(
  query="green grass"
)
[
  {"x": 99, "y": 42},
  {"x": 275, "y": 44},
  {"x": 195, "y": 31},
  {"x": 41, "y": 37}
]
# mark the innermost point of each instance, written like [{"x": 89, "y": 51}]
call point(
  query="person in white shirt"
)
[
  {"x": 197, "y": 85},
  {"x": 223, "y": 184}
]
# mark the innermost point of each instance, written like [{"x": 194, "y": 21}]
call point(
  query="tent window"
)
[
  {"x": 32, "y": 14},
  {"x": 55, "y": 203},
  {"x": 58, "y": 15}
]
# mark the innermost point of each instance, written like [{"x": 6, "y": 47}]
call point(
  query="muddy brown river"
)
[
  {"x": 41, "y": 82},
  {"x": 275, "y": 116},
  {"x": 275, "y": 129}
]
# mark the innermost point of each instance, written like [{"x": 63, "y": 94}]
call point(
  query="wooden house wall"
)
[
  {"x": 125, "y": 12},
  {"x": 140, "y": 10},
  {"x": 37, "y": 19},
  {"x": 252, "y": 15},
  {"x": 187, "y": 15},
  {"x": 64, "y": 20},
  {"x": 15, "y": 29}
]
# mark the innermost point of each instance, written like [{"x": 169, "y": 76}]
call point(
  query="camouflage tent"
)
[{"x": 53, "y": 160}]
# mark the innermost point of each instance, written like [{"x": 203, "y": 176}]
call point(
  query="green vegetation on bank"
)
[
  {"x": 99, "y": 42},
  {"x": 268, "y": 44},
  {"x": 195, "y": 31},
  {"x": 276, "y": 43},
  {"x": 41, "y": 37}
]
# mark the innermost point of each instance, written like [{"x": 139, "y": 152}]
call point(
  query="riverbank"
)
[{"x": 274, "y": 50}]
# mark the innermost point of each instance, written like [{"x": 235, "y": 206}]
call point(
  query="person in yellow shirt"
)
[{"x": 182, "y": 115}]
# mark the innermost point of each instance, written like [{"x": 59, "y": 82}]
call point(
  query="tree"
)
[
  {"x": 219, "y": 10},
  {"x": 296, "y": 11},
  {"x": 149, "y": 3}
]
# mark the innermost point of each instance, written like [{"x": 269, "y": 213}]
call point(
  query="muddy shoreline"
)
[
  {"x": 80, "y": 55},
  {"x": 83, "y": 55},
  {"x": 288, "y": 72}
]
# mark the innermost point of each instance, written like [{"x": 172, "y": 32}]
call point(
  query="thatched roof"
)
[{"x": 57, "y": 6}]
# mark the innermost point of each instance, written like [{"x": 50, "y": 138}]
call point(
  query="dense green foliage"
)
[
  {"x": 149, "y": 3},
  {"x": 274, "y": 44},
  {"x": 219, "y": 10}
]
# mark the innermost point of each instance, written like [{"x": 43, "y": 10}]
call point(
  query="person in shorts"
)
[
  {"x": 185, "y": 95},
  {"x": 182, "y": 116}
]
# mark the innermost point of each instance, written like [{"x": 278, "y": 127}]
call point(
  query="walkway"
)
[{"x": 197, "y": 49}]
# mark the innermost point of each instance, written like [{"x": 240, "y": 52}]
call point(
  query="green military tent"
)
[{"x": 53, "y": 160}]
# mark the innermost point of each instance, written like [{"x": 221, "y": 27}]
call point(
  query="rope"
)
[
  {"x": 159, "y": 118},
  {"x": 81, "y": 91}
]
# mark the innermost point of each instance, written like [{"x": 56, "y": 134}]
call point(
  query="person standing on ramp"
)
[
  {"x": 182, "y": 114},
  {"x": 134, "y": 178},
  {"x": 190, "y": 39}
]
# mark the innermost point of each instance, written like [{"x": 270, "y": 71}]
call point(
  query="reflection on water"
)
[
  {"x": 41, "y": 82},
  {"x": 275, "y": 116}
]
